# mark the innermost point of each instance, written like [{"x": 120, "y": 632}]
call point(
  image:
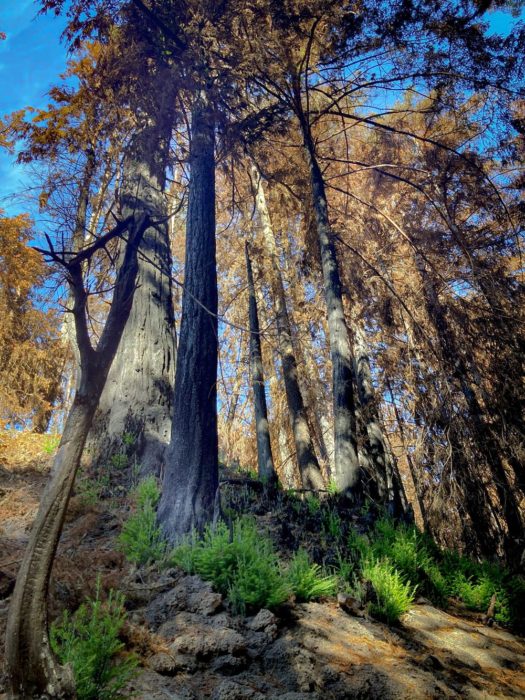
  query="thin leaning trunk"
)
[
  {"x": 266, "y": 468},
  {"x": 137, "y": 399},
  {"x": 311, "y": 476},
  {"x": 32, "y": 670},
  {"x": 191, "y": 478},
  {"x": 347, "y": 471}
]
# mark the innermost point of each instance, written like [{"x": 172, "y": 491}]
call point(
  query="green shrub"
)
[
  {"x": 332, "y": 487},
  {"x": 394, "y": 595},
  {"x": 119, "y": 461},
  {"x": 51, "y": 443},
  {"x": 89, "y": 641},
  {"x": 332, "y": 525},
  {"x": 307, "y": 580},
  {"x": 141, "y": 538},
  {"x": 257, "y": 583},
  {"x": 241, "y": 563},
  {"x": 313, "y": 504},
  {"x": 413, "y": 554}
]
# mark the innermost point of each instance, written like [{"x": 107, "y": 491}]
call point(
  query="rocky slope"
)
[{"x": 192, "y": 648}]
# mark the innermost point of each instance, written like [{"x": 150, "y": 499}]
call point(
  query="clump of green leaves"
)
[
  {"x": 89, "y": 642},
  {"x": 413, "y": 554},
  {"x": 307, "y": 579},
  {"x": 141, "y": 538},
  {"x": 242, "y": 564},
  {"x": 394, "y": 594},
  {"x": 90, "y": 490},
  {"x": 331, "y": 524},
  {"x": 239, "y": 561},
  {"x": 313, "y": 504},
  {"x": 51, "y": 443}
]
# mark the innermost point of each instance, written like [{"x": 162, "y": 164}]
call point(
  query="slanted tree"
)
[
  {"x": 308, "y": 464},
  {"x": 266, "y": 468},
  {"x": 32, "y": 671}
]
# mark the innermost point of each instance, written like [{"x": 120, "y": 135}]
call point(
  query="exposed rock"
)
[
  {"x": 149, "y": 685},
  {"x": 294, "y": 665},
  {"x": 229, "y": 665},
  {"x": 296, "y": 696},
  {"x": 229, "y": 690},
  {"x": 144, "y": 585},
  {"x": 190, "y": 594},
  {"x": 164, "y": 664},
  {"x": 264, "y": 621},
  {"x": 203, "y": 642}
]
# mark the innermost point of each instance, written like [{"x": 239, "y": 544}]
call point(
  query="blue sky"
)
[{"x": 31, "y": 59}]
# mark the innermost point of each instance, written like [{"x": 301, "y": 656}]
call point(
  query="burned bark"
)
[
  {"x": 32, "y": 671},
  {"x": 191, "y": 478},
  {"x": 266, "y": 468},
  {"x": 137, "y": 398}
]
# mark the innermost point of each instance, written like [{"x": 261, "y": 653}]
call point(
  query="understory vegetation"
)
[
  {"x": 381, "y": 563},
  {"x": 89, "y": 642}
]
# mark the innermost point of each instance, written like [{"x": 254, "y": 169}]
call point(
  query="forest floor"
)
[{"x": 191, "y": 647}]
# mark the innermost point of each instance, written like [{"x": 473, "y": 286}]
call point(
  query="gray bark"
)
[
  {"x": 31, "y": 668},
  {"x": 347, "y": 471},
  {"x": 308, "y": 465},
  {"x": 266, "y": 468},
  {"x": 191, "y": 478},
  {"x": 376, "y": 455},
  {"x": 137, "y": 398}
]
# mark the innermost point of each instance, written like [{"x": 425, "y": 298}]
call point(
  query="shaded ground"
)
[{"x": 192, "y": 648}]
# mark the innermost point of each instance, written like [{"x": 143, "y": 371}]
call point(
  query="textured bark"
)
[
  {"x": 375, "y": 454},
  {"x": 266, "y": 468},
  {"x": 137, "y": 398},
  {"x": 347, "y": 471},
  {"x": 31, "y": 668},
  {"x": 486, "y": 444},
  {"x": 191, "y": 478},
  {"x": 311, "y": 476},
  {"x": 309, "y": 380}
]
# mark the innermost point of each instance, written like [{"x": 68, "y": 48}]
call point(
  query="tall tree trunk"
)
[
  {"x": 138, "y": 395},
  {"x": 31, "y": 668},
  {"x": 309, "y": 381},
  {"x": 419, "y": 511},
  {"x": 308, "y": 465},
  {"x": 376, "y": 454},
  {"x": 347, "y": 471},
  {"x": 191, "y": 478},
  {"x": 266, "y": 468}
]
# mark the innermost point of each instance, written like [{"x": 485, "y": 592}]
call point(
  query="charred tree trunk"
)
[
  {"x": 308, "y": 465},
  {"x": 266, "y": 468},
  {"x": 138, "y": 395},
  {"x": 31, "y": 668},
  {"x": 191, "y": 478},
  {"x": 347, "y": 472},
  {"x": 376, "y": 454}
]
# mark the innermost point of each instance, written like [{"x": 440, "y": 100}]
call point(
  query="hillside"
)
[{"x": 190, "y": 644}]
